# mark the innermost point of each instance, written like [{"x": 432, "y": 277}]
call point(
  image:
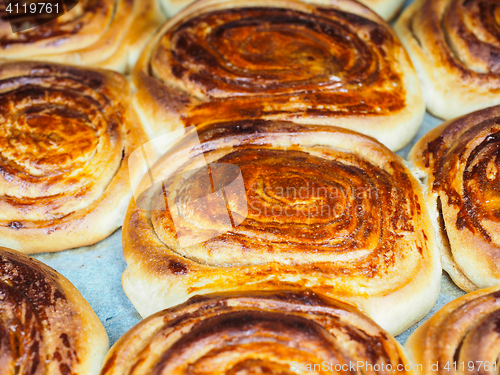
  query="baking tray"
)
[{"x": 96, "y": 272}]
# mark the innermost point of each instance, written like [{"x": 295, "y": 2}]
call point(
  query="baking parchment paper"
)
[{"x": 96, "y": 272}]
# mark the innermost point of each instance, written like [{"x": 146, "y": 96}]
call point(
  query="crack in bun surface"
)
[{"x": 460, "y": 161}]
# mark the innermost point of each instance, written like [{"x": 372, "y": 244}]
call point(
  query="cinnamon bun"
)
[
  {"x": 46, "y": 326},
  {"x": 455, "y": 47},
  {"x": 281, "y": 205},
  {"x": 106, "y": 34},
  {"x": 322, "y": 62},
  {"x": 265, "y": 333},
  {"x": 461, "y": 338},
  {"x": 460, "y": 162},
  {"x": 65, "y": 137},
  {"x": 387, "y": 9}
]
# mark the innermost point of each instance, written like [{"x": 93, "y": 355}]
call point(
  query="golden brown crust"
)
[
  {"x": 46, "y": 326},
  {"x": 65, "y": 137},
  {"x": 106, "y": 34},
  {"x": 266, "y": 333},
  {"x": 459, "y": 161},
  {"x": 323, "y": 208},
  {"x": 455, "y": 47},
  {"x": 322, "y": 62},
  {"x": 460, "y": 338}
]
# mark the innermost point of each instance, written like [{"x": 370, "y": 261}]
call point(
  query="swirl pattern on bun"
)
[
  {"x": 460, "y": 338},
  {"x": 460, "y": 163},
  {"x": 328, "y": 63},
  {"x": 258, "y": 333},
  {"x": 455, "y": 47},
  {"x": 46, "y": 326},
  {"x": 106, "y": 34},
  {"x": 321, "y": 207},
  {"x": 65, "y": 137}
]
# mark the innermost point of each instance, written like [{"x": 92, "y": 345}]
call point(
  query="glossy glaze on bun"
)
[
  {"x": 255, "y": 333},
  {"x": 65, "y": 137},
  {"x": 459, "y": 161},
  {"x": 322, "y": 62},
  {"x": 461, "y": 338},
  {"x": 321, "y": 207},
  {"x": 455, "y": 47},
  {"x": 46, "y": 326},
  {"x": 105, "y": 34}
]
